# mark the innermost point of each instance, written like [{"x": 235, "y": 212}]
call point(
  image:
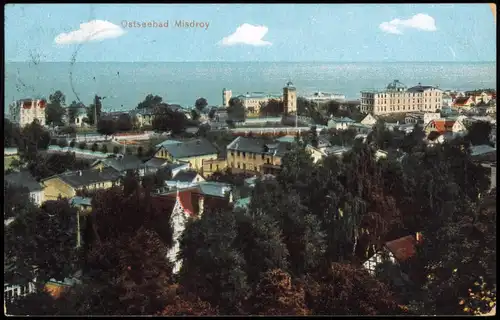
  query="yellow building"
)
[
  {"x": 290, "y": 98},
  {"x": 253, "y": 101},
  {"x": 194, "y": 152},
  {"x": 211, "y": 166},
  {"x": 66, "y": 185},
  {"x": 399, "y": 99},
  {"x": 255, "y": 155}
]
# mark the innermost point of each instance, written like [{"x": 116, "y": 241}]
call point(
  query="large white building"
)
[
  {"x": 25, "y": 111},
  {"x": 397, "y": 98},
  {"x": 325, "y": 97}
]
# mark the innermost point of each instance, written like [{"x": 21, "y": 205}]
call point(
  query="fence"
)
[{"x": 95, "y": 154}]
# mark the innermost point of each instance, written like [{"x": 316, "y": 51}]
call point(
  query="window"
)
[
  {"x": 262, "y": 157},
  {"x": 244, "y": 154},
  {"x": 210, "y": 166},
  {"x": 232, "y": 154},
  {"x": 244, "y": 166},
  {"x": 237, "y": 153},
  {"x": 238, "y": 165},
  {"x": 268, "y": 161}
]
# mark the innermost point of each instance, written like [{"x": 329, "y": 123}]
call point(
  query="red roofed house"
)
[
  {"x": 439, "y": 125},
  {"x": 397, "y": 251},
  {"x": 463, "y": 102},
  {"x": 185, "y": 204}
]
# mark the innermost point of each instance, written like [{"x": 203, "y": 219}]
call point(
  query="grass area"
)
[{"x": 8, "y": 161}]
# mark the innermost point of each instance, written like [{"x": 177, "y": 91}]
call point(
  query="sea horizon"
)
[{"x": 125, "y": 84}]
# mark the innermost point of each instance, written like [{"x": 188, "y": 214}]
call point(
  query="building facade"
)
[
  {"x": 252, "y": 101},
  {"x": 325, "y": 97},
  {"x": 397, "y": 98},
  {"x": 25, "y": 111}
]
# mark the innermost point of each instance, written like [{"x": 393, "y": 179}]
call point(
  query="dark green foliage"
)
[
  {"x": 479, "y": 133},
  {"x": 236, "y": 111},
  {"x": 200, "y": 104},
  {"x": 212, "y": 266},
  {"x": 150, "y": 101},
  {"x": 40, "y": 243}
]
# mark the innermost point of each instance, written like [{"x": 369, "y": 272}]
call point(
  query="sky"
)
[{"x": 250, "y": 32}]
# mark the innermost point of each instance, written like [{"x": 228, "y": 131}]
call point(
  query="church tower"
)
[
  {"x": 290, "y": 98},
  {"x": 226, "y": 96}
]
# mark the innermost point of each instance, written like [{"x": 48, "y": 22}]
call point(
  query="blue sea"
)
[{"x": 125, "y": 84}]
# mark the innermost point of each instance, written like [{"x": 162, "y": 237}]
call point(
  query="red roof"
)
[
  {"x": 184, "y": 197},
  {"x": 443, "y": 125},
  {"x": 460, "y": 101},
  {"x": 402, "y": 248}
]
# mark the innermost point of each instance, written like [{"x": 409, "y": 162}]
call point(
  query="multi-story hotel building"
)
[
  {"x": 253, "y": 101},
  {"x": 25, "y": 111},
  {"x": 397, "y": 98}
]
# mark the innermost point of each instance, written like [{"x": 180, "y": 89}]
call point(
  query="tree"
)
[
  {"x": 275, "y": 295},
  {"x": 195, "y": 115},
  {"x": 116, "y": 149},
  {"x": 150, "y": 101},
  {"x": 82, "y": 145},
  {"x": 74, "y": 109},
  {"x": 211, "y": 113},
  {"x": 94, "y": 147},
  {"x": 200, "y": 104},
  {"x": 12, "y": 134},
  {"x": 54, "y": 110},
  {"x": 332, "y": 107},
  {"x": 104, "y": 148},
  {"x": 40, "y": 243},
  {"x": 140, "y": 151},
  {"x": 260, "y": 240},
  {"x": 272, "y": 108},
  {"x": 62, "y": 143},
  {"x": 479, "y": 133},
  {"x": 236, "y": 111},
  {"x": 106, "y": 127},
  {"x": 461, "y": 279},
  {"x": 345, "y": 289},
  {"x": 34, "y": 138},
  {"x": 182, "y": 303},
  {"x": 215, "y": 271},
  {"x": 128, "y": 275},
  {"x": 130, "y": 182},
  {"x": 124, "y": 123},
  {"x": 168, "y": 120}
]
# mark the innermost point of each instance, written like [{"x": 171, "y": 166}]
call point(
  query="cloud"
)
[
  {"x": 419, "y": 21},
  {"x": 95, "y": 30},
  {"x": 247, "y": 34}
]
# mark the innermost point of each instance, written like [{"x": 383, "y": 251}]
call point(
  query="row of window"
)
[{"x": 244, "y": 154}]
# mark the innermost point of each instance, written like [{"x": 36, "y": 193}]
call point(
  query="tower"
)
[
  {"x": 290, "y": 98},
  {"x": 226, "y": 96}
]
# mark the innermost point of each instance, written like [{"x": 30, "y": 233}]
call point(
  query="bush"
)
[
  {"x": 62, "y": 143},
  {"x": 116, "y": 149},
  {"x": 82, "y": 145}
]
